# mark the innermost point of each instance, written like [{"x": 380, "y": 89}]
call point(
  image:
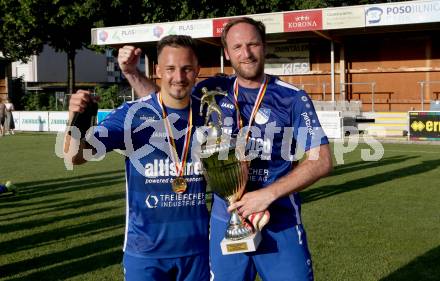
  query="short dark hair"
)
[
  {"x": 259, "y": 27},
  {"x": 177, "y": 41}
]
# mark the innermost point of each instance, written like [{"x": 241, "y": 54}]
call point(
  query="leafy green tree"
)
[
  {"x": 65, "y": 25},
  {"x": 40, "y": 101},
  {"x": 109, "y": 98},
  {"x": 20, "y": 35}
]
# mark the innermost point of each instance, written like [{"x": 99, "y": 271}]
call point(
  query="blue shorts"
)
[
  {"x": 282, "y": 255},
  {"x": 187, "y": 268}
]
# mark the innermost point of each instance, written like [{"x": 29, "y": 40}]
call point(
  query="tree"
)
[
  {"x": 16, "y": 25},
  {"x": 64, "y": 25},
  {"x": 68, "y": 28},
  {"x": 109, "y": 97}
]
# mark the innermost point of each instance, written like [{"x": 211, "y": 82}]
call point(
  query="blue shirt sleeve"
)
[{"x": 110, "y": 131}]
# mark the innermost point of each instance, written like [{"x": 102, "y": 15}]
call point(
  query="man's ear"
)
[
  {"x": 158, "y": 71},
  {"x": 226, "y": 54}
]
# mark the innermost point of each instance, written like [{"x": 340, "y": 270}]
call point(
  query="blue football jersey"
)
[
  {"x": 159, "y": 222},
  {"x": 285, "y": 126}
]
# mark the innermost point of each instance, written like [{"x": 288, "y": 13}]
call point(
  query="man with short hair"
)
[
  {"x": 166, "y": 236},
  {"x": 278, "y": 113},
  {"x": 283, "y": 121}
]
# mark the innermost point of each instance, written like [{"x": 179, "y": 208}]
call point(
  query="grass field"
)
[{"x": 368, "y": 221}]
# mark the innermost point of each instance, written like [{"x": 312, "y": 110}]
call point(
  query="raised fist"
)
[{"x": 128, "y": 58}]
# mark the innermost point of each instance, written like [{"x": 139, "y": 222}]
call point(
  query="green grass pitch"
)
[{"x": 367, "y": 221}]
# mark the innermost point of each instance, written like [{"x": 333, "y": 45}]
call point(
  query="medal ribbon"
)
[
  {"x": 257, "y": 104},
  {"x": 172, "y": 144}
]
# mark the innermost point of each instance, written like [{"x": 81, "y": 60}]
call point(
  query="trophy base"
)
[{"x": 249, "y": 244}]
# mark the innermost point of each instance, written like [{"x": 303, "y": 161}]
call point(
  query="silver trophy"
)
[{"x": 227, "y": 175}]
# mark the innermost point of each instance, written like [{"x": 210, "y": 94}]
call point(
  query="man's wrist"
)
[
  {"x": 272, "y": 194},
  {"x": 132, "y": 73}
]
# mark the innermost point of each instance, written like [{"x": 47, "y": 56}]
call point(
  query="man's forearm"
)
[
  {"x": 141, "y": 84},
  {"x": 305, "y": 174}
]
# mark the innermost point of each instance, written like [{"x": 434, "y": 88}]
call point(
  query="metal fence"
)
[
  {"x": 372, "y": 84},
  {"x": 422, "y": 91}
]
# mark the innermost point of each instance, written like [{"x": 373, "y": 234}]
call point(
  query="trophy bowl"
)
[{"x": 228, "y": 179}]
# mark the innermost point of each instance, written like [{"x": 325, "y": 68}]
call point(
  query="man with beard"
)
[{"x": 272, "y": 111}]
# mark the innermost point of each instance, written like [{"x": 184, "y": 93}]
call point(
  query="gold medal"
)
[{"x": 179, "y": 185}]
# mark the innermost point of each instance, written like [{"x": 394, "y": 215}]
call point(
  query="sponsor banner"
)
[
  {"x": 58, "y": 121},
  {"x": 53, "y": 121},
  {"x": 218, "y": 25},
  {"x": 345, "y": 17},
  {"x": 331, "y": 123},
  {"x": 287, "y": 59},
  {"x": 195, "y": 29},
  {"x": 121, "y": 35},
  {"x": 16, "y": 116},
  {"x": 273, "y": 22},
  {"x": 424, "y": 125},
  {"x": 36, "y": 121},
  {"x": 278, "y": 22},
  {"x": 303, "y": 21},
  {"x": 151, "y": 32},
  {"x": 402, "y": 13}
]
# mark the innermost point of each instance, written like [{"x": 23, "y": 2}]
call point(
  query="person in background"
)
[{"x": 9, "y": 120}]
